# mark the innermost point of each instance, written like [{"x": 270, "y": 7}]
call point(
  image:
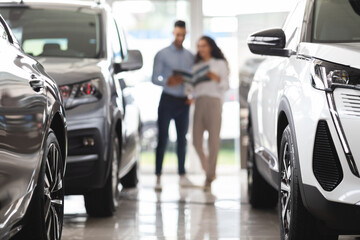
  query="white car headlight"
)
[
  {"x": 328, "y": 76},
  {"x": 81, "y": 93}
]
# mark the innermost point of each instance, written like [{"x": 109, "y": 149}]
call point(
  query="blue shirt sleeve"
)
[{"x": 157, "y": 77}]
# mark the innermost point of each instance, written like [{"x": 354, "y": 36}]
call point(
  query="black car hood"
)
[{"x": 71, "y": 70}]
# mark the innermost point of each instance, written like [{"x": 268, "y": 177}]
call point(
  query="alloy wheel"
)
[
  {"x": 249, "y": 162},
  {"x": 285, "y": 189},
  {"x": 114, "y": 173},
  {"x": 250, "y": 169},
  {"x": 53, "y": 193}
]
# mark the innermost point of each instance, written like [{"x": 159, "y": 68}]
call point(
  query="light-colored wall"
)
[{"x": 250, "y": 23}]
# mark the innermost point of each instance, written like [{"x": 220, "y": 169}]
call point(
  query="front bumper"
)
[
  {"x": 87, "y": 158},
  {"x": 335, "y": 206},
  {"x": 341, "y": 217}
]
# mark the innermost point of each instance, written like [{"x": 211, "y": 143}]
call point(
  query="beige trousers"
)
[{"x": 207, "y": 117}]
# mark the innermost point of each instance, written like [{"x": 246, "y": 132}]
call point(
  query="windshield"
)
[
  {"x": 336, "y": 21},
  {"x": 73, "y": 33}
]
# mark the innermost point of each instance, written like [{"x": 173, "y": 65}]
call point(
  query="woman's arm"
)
[{"x": 222, "y": 75}]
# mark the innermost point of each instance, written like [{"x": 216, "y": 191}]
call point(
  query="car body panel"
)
[
  {"x": 102, "y": 119},
  {"x": 342, "y": 53},
  {"x": 287, "y": 86},
  {"x": 26, "y": 114}
]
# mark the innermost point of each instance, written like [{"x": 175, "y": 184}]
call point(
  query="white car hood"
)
[{"x": 341, "y": 53}]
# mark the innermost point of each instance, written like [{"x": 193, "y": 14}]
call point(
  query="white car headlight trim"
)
[{"x": 326, "y": 76}]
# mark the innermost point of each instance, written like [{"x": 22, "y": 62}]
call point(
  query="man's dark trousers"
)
[{"x": 176, "y": 108}]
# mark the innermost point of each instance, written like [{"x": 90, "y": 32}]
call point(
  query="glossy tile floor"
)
[{"x": 177, "y": 213}]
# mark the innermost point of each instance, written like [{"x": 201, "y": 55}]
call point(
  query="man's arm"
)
[{"x": 157, "y": 76}]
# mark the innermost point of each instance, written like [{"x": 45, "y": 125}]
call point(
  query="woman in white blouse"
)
[{"x": 209, "y": 97}]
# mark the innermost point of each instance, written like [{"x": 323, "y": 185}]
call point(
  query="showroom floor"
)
[{"x": 177, "y": 213}]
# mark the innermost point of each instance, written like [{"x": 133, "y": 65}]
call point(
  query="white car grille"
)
[{"x": 349, "y": 104}]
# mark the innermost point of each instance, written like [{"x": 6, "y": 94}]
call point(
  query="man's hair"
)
[{"x": 180, "y": 23}]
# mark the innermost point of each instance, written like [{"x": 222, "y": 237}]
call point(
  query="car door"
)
[
  {"x": 277, "y": 80},
  {"x": 274, "y": 79},
  {"x": 131, "y": 120},
  {"x": 22, "y": 106}
]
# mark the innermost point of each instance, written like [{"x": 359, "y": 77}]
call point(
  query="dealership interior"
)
[
  {"x": 190, "y": 213},
  {"x": 227, "y": 206}
]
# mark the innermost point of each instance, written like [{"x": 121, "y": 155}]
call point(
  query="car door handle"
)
[{"x": 36, "y": 83}]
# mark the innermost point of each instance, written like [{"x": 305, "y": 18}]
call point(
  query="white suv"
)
[{"x": 304, "y": 124}]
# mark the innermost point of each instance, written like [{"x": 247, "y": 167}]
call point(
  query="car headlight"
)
[
  {"x": 328, "y": 76},
  {"x": 81, "y": 93}
]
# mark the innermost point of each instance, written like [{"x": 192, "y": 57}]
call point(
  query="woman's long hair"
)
[{"x": 215, "y": 50}]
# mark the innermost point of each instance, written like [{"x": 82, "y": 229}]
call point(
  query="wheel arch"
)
[
  {"x": 58, "y": 125},
  {"x": 115, "y": 131},
  {"x": 285, "y": 118}
]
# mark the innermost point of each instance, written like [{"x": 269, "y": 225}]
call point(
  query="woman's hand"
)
[
  {"x": 189, "y": 101},
  {"x": 174, "y": 80},
  {"x": 213, "y": 76}
]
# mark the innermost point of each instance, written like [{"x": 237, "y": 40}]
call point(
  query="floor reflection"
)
[
  {"x": 174, "y": 213},
  {"x": 177, "y": 213}
]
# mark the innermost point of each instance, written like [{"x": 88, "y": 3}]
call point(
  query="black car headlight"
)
[
  {"x": 328, "y": 76},
  {"x": 81, "y": 93}
]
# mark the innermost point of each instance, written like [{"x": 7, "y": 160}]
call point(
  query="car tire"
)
[
  {"x": 44, "y": 218},
  {"x": 260, "y": 193},
  {"x": 130, "y": 180},
  {"x": 296, "y": 223},
  {"x": 103, "y": 202}
]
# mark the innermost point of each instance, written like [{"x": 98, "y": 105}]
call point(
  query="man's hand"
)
[{"x": 174, "y": 80}]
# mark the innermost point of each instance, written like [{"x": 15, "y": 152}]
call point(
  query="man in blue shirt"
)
[{"x": 173, "y": 102}]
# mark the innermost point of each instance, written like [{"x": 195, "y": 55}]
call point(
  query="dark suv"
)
[
  {"x": 33, "y": 146},
  {"x": 83, "y": 49}
]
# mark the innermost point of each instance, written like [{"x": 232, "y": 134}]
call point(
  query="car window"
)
[
  {"x": 115, "y": 41},
  {"x": 293, "y": 24},
  {"x": 56, "y": 32},
  {"x": 123, "y": 42},
  {"x": 336, "y": 21},
  {"x": 3, "y": 34}
]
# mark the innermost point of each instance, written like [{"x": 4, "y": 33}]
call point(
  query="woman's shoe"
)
[{"x": 207, "y": 186}]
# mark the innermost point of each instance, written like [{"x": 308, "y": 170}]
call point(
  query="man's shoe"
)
[{"x": 158, "y": 187}]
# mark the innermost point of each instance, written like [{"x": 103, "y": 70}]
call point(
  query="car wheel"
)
[
  {"x": 260, "y": 193},
  {"x": 102, "y": 202},
  {"x": 296, "y": 223},
  {"x": 130, "y": 180},
  {"x": 45, "y": 216}
]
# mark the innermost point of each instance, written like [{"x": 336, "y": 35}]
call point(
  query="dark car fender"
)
[
  {"x": 116, "y": 128},
  {"x": 57, "y": 118}
]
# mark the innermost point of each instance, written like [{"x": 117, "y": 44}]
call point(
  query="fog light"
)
[
  {"x": 91, "y": 142},
  {"x": 88, "y": 141},
  {"x": 85, "y": 142}
]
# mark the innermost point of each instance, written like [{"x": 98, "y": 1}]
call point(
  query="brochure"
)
[{"x": 196, "y": 77}]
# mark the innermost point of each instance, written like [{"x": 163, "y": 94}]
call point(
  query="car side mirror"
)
[
  {"x": 269, "y": 42},
  {"x": 133, "y": 61}
]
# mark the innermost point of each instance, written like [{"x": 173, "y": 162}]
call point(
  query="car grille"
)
[
  {"x": 350, "y": 104},
  {"x": 326, "y": 164}
]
